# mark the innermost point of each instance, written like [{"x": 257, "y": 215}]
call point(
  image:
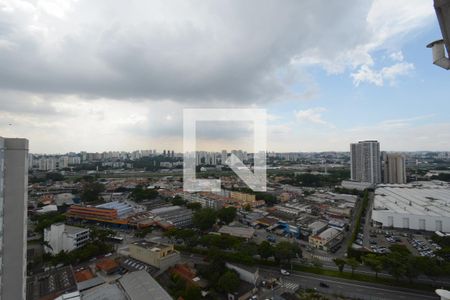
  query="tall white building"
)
[
  {"x": 394, "y": 168},
  {"x": 366, "y": 161},
  {"x": 61, "y": 237},
  {"x": 13, "y": 210}
]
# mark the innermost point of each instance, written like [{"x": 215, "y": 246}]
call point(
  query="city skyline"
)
[{"x": 122, "y": 87}]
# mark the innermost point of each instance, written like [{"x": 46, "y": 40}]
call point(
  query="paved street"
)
[
  {"x": 337, "y": 286},
  {"x": 344, "y": 287}
]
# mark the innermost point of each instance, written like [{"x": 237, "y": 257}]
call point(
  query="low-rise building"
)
[
  {"x": 177, "y": 215},
  {"x": 241, "y": 232},
  {"x": 140, "y": 285},
  {"x": 107, "y": 266},
  {"x": 161, "y": 256},
  {"x": 317, "y": 227},
  {"x": 62, "y": 237},
  {"x": 205, "y": 202},
  {"x": 326, "y": 239},
  {"x": 51, "y": 284},
  {"x": 356, "y": 185}
]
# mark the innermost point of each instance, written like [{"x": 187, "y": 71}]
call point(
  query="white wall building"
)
[
  {"x": 394, "y": 168},
  {"x": 419, "y": 206},
  {"x": 365, "y": 161},
  {"x": 13, "y": 212},
  {"x": 63, "y": 237}
]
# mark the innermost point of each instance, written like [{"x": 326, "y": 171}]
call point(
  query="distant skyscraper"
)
[
  {"x": 223, "y": 157},
  {"x": 366, "y": 161},
  {"x": 13, "y": 210},
  {"x": 394, "y": 167}
]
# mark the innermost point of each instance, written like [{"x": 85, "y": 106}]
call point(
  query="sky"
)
[{"x": 113, "y": 75}]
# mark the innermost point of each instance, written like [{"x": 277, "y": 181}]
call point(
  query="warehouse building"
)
[
  {"x": 418, "y": 206},
  {"x": 176, "y": 215}
]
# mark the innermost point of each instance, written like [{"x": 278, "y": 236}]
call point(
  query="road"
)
[
  {"x": 337, "y": 286},
  {"x": 343, "y": 287}
]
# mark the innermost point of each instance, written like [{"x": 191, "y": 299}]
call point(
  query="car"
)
[
  {"x": 271, "y": 239},
  {"x": 324, "y": 285},
  {"x": 284, "y": 272}
]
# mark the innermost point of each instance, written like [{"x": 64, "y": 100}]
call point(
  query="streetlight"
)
[{"x": 442, "y": 8}]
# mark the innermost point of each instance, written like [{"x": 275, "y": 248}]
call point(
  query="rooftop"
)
[
  {"x": 107, "y": 265},
  {"x": 329, "y": 234},
  {"x": 105, "y": 291},
  {"x": 422, "y": 198},
  {"x": 150, "y": 245},
  {"x": 140, "y": 285},
  {"x": 74, "y": 230},
  {"x": 245, "y": 232}
]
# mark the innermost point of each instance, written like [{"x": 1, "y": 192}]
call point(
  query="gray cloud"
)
[{"x": 220, "y": 51}]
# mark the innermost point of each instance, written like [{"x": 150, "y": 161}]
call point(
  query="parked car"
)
[{"x": 324, "y": 285}]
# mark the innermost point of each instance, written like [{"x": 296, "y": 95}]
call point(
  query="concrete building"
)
[
  {"x": 246, "y": 273},
  {"x": 365, "y": 161},
  {"x": 63, "y": 237},
  {"x": 241, "y": 232},
  {"x": 140, "y": 285},
  {"x": 13, "y": 212},
  {"x": 418, "y": 206},
  {"x": 158, "y": 255},
  {"x": 51, "y": 284},
  {"x": 317, "y": 227},
  {"x": 356, "y": 185},
  {"x": 176, "y": 215},
  {"x": 205, "y": 202},
  {"x": 394, "y": 168},
  {"x": 327, "y": 239}
]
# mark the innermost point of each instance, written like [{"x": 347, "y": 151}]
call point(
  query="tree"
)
[
  {"x": 140, "y": 194},
  {"x": 192, "y": 293},
  {"x": 395, "y": 264},
  {"x": 340, "y": 263},
  {"x": 227, "y": 214},
  {"x": 353, "y": 263},
  {"x": 100, "y": 234},
  {"x": 194, "y": 205},
  {"x": 412, "y": 270},
  {"x": 91, "y": 191},
  {"x": 285, "y": 251},
  {"x": 204, "y": 219},
  {"x": 178, "y": 200},
  {"x": 265, "y": 250},
  {"x": 374, "y": 262},
  {"x": 228, "y": 282},
  {"x": 428, "y": 266}
]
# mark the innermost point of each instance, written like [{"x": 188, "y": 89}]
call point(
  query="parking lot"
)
[{"x": 379, "y": 241}]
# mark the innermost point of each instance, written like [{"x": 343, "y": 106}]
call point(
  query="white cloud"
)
[
  {"x": 397, "y": 56},
  {"x": 366, "y": 74},
  {"x": 313, "y": 115}
]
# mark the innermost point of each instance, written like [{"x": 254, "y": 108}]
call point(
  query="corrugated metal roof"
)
[{"x": 140, "y": 285}]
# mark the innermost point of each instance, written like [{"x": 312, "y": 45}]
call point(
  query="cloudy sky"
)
[{"x": 115, "y": 75}]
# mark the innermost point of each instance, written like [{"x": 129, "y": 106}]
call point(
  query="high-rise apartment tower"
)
[
  {"x": 366, "y": 161},
  {"x": 13, "y": 210}
]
